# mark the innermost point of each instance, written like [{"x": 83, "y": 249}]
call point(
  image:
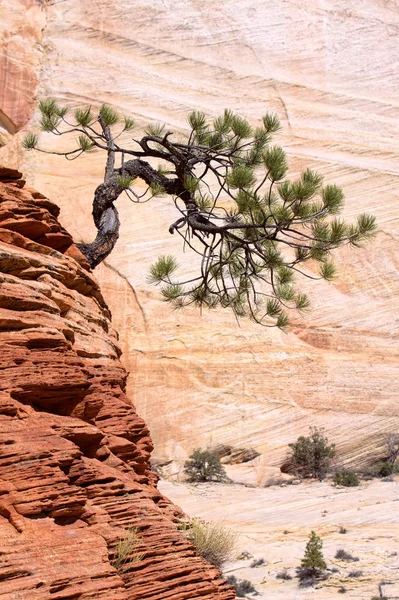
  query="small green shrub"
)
[
  {"x": 214, "y": 542},
  {"x": 312, "y": 455},
  {"x": 346, "y": 478},
  {"x": 385, "y": 469},
  {"x": 241, "y": 586},
  {"x": 381, "y": 469},
  {"x": 204, "y": 465},
  {"x": 124, "y": 554}
]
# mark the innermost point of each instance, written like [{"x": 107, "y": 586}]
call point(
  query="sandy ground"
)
[{"x": 274, "y": 523}]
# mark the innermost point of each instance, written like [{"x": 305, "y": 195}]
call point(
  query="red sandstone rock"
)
[{"x": 75, "y": 470}]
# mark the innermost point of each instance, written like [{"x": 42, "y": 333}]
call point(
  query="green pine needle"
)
[
  {"x": 124, "y": 181},
  {"x": 49, "y": 123},
  {"x": 86, "y": 144},
  {"x": 283, "y": 321},
  {"x": 338, "y": 231},
  {"x": 155, "y": 129},
  {"x": 333, "y": 199},
  {"x": 367, "y": 226},
  {"x": 285, "y": 275},
  {"x": 156, "y": 189},
  {"x": 275, "y": 161},
  {"x": 171, "y": 292},
  {"x": 162, "y": 170},
  {"x": 286, "y": 192},
  {"x": 128, "y": 123},
  {"x": 162, "y": 269},
  {"x": 302, "y": 302},
  {"x": 197, "y": 120},
  {"x": 48, "y": 107},
  {"x": 204, "y": 202},
  {"x": 328, "y": 270},
  {"x": 30, "y": 141},
  {"x": 312, "y": 177},
  {"x": 240, "y": 127},
  {"x": 83, "y": 116},
  {"x": 285, "y": 292},
  {"x": 191, "y": 183},
  {"x": 109, "y": 116},
  {"x": 272, "y": 258},
  {"x": 273, "y": 308},
  {"x": 271, "y": 123},
  {"x": 241, "y": 177}
]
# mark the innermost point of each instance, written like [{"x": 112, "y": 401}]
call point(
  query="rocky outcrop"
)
[{"x": 75, "y": 471}]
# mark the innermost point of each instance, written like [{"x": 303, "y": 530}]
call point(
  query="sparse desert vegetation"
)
[
  {"x": 204, "y": 465},
  {"x": 241, "y": 586},
  {"x": 125, "y": 552},
  {"x": 342, "y": 554},
  {"x": 346, "y": 478},
  {"x": 274, "y": 523},
  {"x": 215, "y": 542},
  {"x": 312, "y": 454}
]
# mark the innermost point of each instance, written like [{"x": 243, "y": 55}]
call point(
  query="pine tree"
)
[
  {"x": 253, "y": 229},
  {"x": 313, "y": 564},
  {"x": 204, "y": 465}
]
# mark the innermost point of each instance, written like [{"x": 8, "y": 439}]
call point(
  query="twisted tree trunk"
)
[{"x": 104, "y": 213}]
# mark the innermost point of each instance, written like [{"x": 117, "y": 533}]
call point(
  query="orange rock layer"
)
[{"x": 75, "y": 470}]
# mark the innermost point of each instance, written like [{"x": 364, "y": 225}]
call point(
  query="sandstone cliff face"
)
[
  {"x": 21, "y": 26},
  {"x": 329, "y": 71},
  {"x": 75, "y": 469}
]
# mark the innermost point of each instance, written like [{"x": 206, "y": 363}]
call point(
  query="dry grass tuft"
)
[
  {"x": 213, "y": 541},
  {"x": 124, "y": 551}
]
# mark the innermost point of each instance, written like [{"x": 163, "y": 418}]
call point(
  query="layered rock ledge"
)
[{"x": 75, "y": 471}]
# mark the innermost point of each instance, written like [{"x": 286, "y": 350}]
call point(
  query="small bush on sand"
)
[
  {"x": 356, "y": 573},
  {"x": 342, "y": 554},
  {"x": 312, "y": 455},
  {"x": 258, "y": 562},
  {"x": 385, "y": 469},
  {"x": 125, "y": 550},
  {"x": 214, "y": 542},
  {"x": 241, "y": 586},
  {"x": 283, "y": 575},
  {"x": 343, "y": 530},
  {"x": 204, "y": 465},
  {"x": 346, "y": 478}
]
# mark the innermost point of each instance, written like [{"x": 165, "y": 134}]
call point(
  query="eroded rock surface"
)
[
  {"x": 21, "y": 27},
  {"x": 75, "y": 470}
]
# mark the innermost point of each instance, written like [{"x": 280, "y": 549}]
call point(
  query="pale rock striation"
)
[
  {"x": 330, "y": 73},
  {"x": 75, "y": 471},
  {"x": 21, "y": 53}
]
